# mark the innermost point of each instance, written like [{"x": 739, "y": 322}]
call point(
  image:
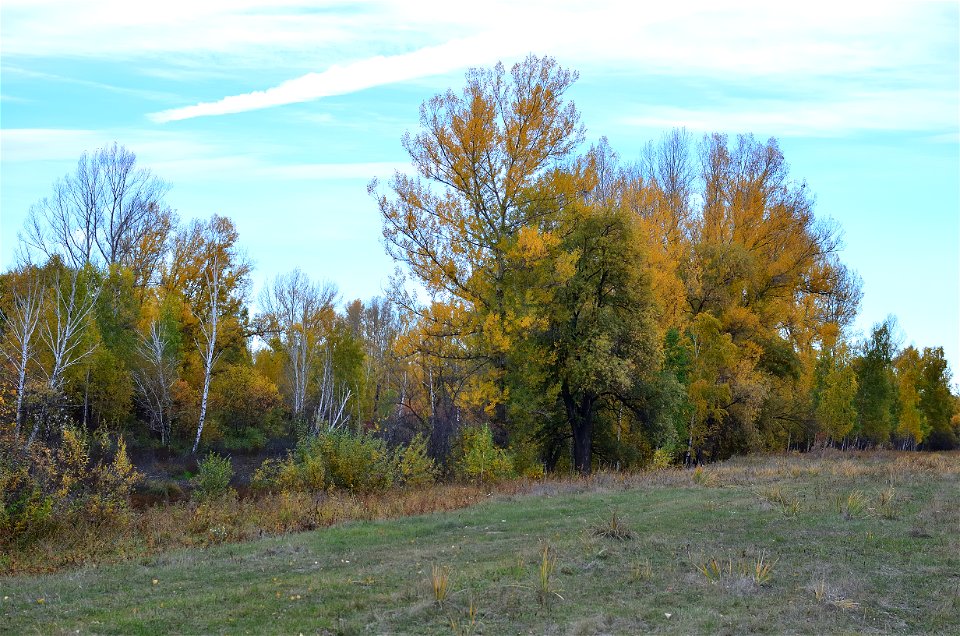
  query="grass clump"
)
[
  {"x": 547, "y": 566},
  {"x": 759, "y": 570},
  {"x": 439, "y": 582},
  {"x": 613, "y": 527}
]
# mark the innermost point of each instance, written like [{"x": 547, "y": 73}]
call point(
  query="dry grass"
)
[
  {"x": 231, "y": 519},
  {"x": 439, "y": 581},
  {"x": 613, "y": 527}
]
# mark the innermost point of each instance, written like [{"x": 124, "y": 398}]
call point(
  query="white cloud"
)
[
  {"x": 773, "y": 43},
  {"x": 347, "y": 78}
]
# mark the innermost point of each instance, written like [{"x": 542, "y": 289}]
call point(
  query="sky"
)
[{"x": 277, "y": 113}]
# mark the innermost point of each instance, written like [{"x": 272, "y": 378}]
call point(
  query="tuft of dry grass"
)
[
  {"x": 545, "y": 570},
  {"x": 613, "y": 527},
  {"x": 439, "y": 582}
]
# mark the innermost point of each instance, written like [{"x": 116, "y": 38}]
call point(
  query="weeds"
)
[
  {"x": 789, "y": 506},
  {"x": 704, "y": 478},
  {"x": 820, "y": 591},
  {"x": 439, "y": 580},
  {"x": 825, "y": 596},
  {"x": 758, "y": 570},
  {"x": 643, "y": 571},
  {"x": 762, "y": 569},
  {"x": 885, "y": 503},
  {"x": 614, "y": 528},
  {"x": 855, "y": 504},
  {"x": 548, "y": 563}
]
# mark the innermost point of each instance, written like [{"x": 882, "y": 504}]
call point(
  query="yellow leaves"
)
[{"x": 533, "y": 245}]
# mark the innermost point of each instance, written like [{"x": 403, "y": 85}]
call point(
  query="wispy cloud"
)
[
  {"x": 779, "y": 45},
  {"x": 907, "y": 110},
  {"x": 340, "y": 79},
  {"x": 46, "y": 144}
]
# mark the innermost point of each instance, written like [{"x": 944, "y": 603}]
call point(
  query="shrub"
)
[
  {"x": 414, "y": 467},
  {"x": 525, "y": 460},
  {"x": 662, "y": 458},
  {"x": 355, "y": 462},
  {"x": 341, "y": 460},
  {"x": 213, "y": 477},
  {"x": 481, "y": 460},
  {"x": 42, "y": 486},
  {"x": 246, "y": 440}
]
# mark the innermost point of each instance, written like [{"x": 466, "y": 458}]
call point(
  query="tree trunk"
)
[
  {"x": 580, "y": 417},
  {"x": 203, "y": 409}
]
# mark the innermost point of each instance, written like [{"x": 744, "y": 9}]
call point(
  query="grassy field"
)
[{"x": 779, "y": 544}]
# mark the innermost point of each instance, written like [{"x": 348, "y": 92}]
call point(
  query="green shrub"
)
[
  {"x": 246, "y": 440},
  {"x": 480, "y": 460},
  {"x": 341, "y": 460},
  {"x": 213, "y": 477},
  {"x": 414, "y": 467},
  {"x": 662, "y": 458},
  {"x": 526, "y": 460},
  {"x": 356, "y": 462}
]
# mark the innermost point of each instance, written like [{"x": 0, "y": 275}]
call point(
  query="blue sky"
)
[{"x": 278, "y": 113}]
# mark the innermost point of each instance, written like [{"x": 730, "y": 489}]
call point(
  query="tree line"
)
[{"x": 683, "y": 306}]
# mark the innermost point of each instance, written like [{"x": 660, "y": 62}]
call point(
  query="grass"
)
[{"x": 534, "y": 562}]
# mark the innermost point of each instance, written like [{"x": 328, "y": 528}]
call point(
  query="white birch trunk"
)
[{"x": 209, "y": 348}]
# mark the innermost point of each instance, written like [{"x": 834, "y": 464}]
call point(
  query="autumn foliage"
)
[{"x": 557, "y": 307}]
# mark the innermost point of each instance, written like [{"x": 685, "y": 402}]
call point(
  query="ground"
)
[{"x": 776, "y": 544}]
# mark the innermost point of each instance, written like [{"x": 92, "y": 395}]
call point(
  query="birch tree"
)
[
  {"x": 299, "y": 312},
  {"x": 210, "y": 327},
  {"x": 155, "y": 378},
  {"x": 332, "y": 399},
  {"x": 18, "y": 344},
  {"x": 109, "y": 211},
  {"x": 72, "y": 297}
]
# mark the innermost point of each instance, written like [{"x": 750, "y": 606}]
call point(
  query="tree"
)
[
  {"x": 912, "y": 427},
  {"x": 481, "y": 158},
  {"x": 602, "y": 330},
  {"x": 876, "y": 390},
  {"x": 210, "y": 329},
  {"x": 20, "y": 323},
  {"x": 65, "y": 329},
  {"x": 300, "y": 313},
  {"x": 835, "y": 410},
  {"x": 156, "y": 375},
  {"x": 936, "y": 402},
  {"x": 107, "y": 212}
]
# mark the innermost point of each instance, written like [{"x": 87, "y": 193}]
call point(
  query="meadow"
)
[{"x": 815, "y": 543}]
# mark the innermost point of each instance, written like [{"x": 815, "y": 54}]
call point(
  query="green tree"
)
[
  {"x": 936, "y": 402},
  {"x": 876, "y": 392},
  {"x": 835, "y": 409},
  {"x": 912, "y": 427}
]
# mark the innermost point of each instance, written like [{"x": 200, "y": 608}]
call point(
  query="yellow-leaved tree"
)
[{"x": 488, "y": 165}]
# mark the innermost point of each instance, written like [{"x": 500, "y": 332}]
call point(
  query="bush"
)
[
  {"x": 480, "y": 460},
  {"x": 413, "y": 466},
  {"x": 246, "y": 440},
  {"x": 662, "y": 458},
  {"x": 336, "y": 460},
  {"x": 42, "y": 486},
  {"x": 355, "y": 462},
  {"x": 213, "y": 477},
  {"x": 526, "y": 460}
]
